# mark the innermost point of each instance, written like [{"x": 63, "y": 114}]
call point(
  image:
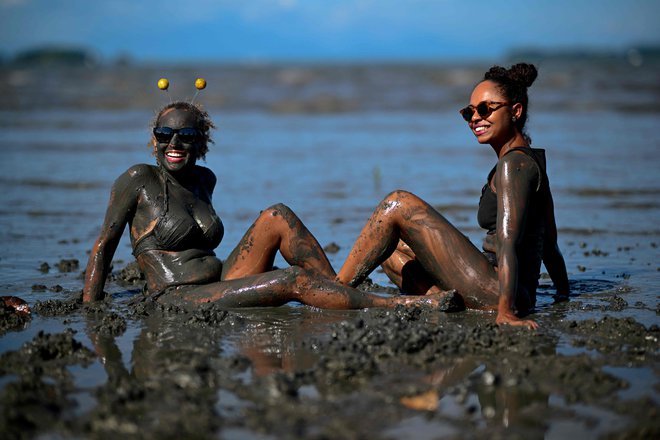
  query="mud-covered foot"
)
[
  {"x": 446, "y": 301},
  {"x": 451, "y": 301}
]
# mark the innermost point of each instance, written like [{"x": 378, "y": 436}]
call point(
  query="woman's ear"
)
[{"x": 516, "y": 110}]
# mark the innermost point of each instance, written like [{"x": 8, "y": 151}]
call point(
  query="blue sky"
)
[{"x": 316, "y": 30}]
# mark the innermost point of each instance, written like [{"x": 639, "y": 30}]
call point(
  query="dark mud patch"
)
[
  {"x": 176, "y": 395},
  {"x": 200, "y": 373},
  {"x": 111, "y": 324},
  {"x": 129, "y": 275},
  {"x": 332, "y": 248},
  {"x": 59, "y": 307},
  {"x": 624, "y": 340},
  {"x": 46, "y": 354},
  {"x": 504, "y": 362},
  {"x": 369, "y": 286},
  {"x": 68, "y": 265},
  {"x": 39, "y": 400},
  {"x": 407, "y": 360}
]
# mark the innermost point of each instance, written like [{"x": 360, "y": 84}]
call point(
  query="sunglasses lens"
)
[
  {"x": 185, "y": 135},
  {"x": 188, "y": 135},
  {"x": 467, "y": 113},
  {"x": 163, "y": 134},
  {"x": 483, "y": 109}
]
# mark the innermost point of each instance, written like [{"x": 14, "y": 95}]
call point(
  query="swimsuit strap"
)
[{"x": 166, "y": 195}]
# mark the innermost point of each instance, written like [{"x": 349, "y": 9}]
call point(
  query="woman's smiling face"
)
[
  {"x": 177, "y": 155},
  {"x": 496, "y": 126}
]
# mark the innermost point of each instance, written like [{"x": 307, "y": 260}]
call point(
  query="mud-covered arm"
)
[
  {"x": 516, "y": 180},
  {"x": 552, "y": 257},
  {"x": 123, "y": 201}
]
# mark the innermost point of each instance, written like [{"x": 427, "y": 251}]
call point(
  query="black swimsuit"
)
[
  {"x": 177, "y": 229},
  {"x": 530, "y": 248}
]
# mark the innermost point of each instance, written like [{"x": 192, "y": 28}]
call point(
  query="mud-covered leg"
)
[
  {"x": 281, "y": 286},
  {"x": 442, "y": 250},
  {"x": 375, "y": 244},
  {"x": 276, "y": 229}
]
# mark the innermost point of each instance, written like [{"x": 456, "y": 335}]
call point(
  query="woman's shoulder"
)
[
  {"x": 206, "y": 176},
  {"x": 141, "y": 170},
  {"x": 519, "y": 165},
  {"x": 520, "y": 158},
  {"x": 137, "y": 174}
]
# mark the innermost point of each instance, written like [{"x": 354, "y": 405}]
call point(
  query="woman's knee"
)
[
  {"x": 400, "y": 203},
  {"x": 401, "y": 198},
  {"x": 271, "y": 216},
  {"x": 277, "y": 213},
  {"x": 278, "y": 209}
]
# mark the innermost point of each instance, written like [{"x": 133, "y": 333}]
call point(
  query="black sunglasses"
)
[
  {"x": 186, "y": 135},
  {"x": 483, "y": 109}
]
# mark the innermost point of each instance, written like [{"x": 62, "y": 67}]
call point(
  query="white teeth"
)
[
  {"x": 175, "y": 154},
  {"x": 479, "y": 129}
]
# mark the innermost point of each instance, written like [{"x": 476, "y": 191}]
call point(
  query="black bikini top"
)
[
  {"x": 178, "y": 229},
  {"x": 487, "y": 213}
]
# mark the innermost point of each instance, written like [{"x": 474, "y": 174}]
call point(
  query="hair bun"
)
[
  {"x": 523, "y": 73},
  {"x": 496, "y": 73}
]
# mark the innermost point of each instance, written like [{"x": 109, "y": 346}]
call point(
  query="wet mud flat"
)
[
  {"x": 348, "y": 136},
  {"x": 297, "y": 372}
]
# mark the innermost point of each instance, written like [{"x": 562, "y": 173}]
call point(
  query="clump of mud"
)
[
  {"x": 40, "y": 398},
  {"x": 369, "y": 286},
  {"x": 59, "y": 307},
  {"x": 213, "y": 316},
  {"x": 68, "y": 265},
  {"x": 46, "y": 350},
  {"x": 626, "y": 340},
  {"x": 331, "y": 248},
  {"x": 129, "y": 275},
  {"x": 111, "y": 324}
]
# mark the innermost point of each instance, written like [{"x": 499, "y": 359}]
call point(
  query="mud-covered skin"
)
[
  {"x": 421, "y": 251},
  {"x": 193, "y": 276},
  {"x": 276, "y": 229},
  {"x": 446, "y": 255},
  {"x": 137, "y": 200},
  {"x": 278, "y": 287}
]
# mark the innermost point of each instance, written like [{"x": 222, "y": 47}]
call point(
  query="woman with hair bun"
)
[{"x": 422, "y": 253}]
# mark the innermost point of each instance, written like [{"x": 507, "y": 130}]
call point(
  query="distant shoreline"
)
[{"x": 62, "y": 56}]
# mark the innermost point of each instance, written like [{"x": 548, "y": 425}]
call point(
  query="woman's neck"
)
[
  {"x": 187, "y": 178},
  {"x": 518, "y": 140}
]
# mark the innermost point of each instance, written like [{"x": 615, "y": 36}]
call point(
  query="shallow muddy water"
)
[{"x": 329, "y": 142}]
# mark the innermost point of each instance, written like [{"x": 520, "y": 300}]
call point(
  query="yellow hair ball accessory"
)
[
  {"x": 200, "y": 83},
  {"x": 163, "y": 83}
]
